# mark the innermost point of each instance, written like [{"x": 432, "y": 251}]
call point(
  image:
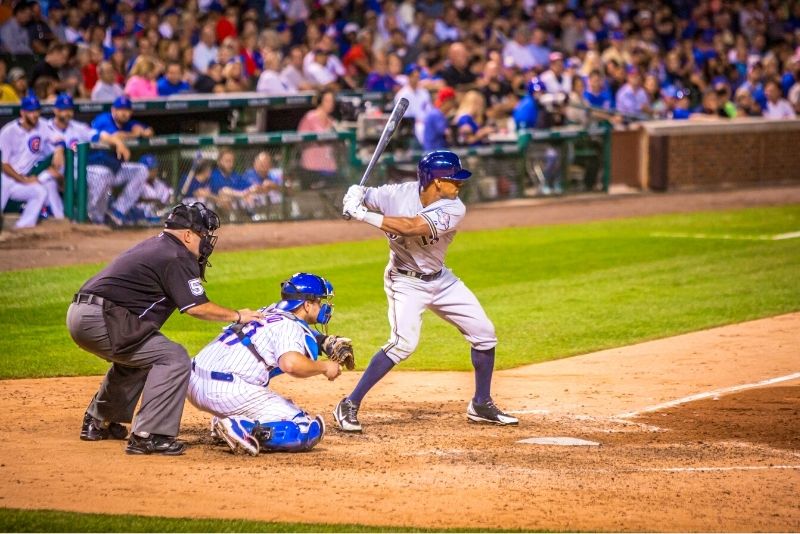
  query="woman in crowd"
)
[
  {"x": 142, "y": 81},
  {"x": 470, "y": 118}
]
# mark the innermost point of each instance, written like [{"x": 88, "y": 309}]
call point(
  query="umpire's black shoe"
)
[
  {"x": 96, "y": 430},
  {"x": 487, "y": 412},
  {"x": 155, "y": 444}
]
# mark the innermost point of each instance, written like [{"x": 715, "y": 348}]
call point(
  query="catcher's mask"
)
[
  {"x": 306, "y": 286},
  {"x": 200, "y": 220}
]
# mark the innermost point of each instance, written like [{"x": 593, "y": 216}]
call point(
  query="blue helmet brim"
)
[
  {"x": 289, "y": 305},
  {"x": 463, "y": 174}
]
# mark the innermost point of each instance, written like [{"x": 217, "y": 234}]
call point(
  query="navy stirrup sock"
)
[
  {"x": 483, "y": 362},
  {"x": 379, "y": 365}
]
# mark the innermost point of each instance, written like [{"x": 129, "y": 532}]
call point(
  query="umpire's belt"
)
[
  {"x": 86, "y": 298},
  {"x": 424, "y": 277},
  {"x": 213, "y": 375}
]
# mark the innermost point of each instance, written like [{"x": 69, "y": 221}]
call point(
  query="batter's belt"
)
[{"x": 421, "y": 276}]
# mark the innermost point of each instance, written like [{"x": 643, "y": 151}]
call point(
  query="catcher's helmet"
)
[
  {"x": 440, "y": 164},
  {"x": 306, "y": 286}
]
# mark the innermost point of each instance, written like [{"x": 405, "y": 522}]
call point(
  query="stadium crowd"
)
[
  {"x": 470, "y": 69},
  {"x": 725, "y": 58}
]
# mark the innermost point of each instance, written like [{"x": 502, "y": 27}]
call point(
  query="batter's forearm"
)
[{"x": 406, "y": 226}]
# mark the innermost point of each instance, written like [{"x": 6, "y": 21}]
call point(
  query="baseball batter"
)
[
  {"x": 420, "y": 220},
  {"x": 230, "y": 376},
  {"x": 23, "y": 144}
]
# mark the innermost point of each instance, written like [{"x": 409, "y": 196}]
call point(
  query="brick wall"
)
[{"x": 688, "y": 154}]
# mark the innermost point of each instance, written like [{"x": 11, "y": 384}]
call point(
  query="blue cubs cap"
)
[
  {"x": 64, "y": 101},
  {"x": 30, "y": 103},
  {"x": 122, "y": 102},
  {"x": 535, "y": 86},
  {"x": 149, "y": 161},
  {"x": 412, "y": 68}
]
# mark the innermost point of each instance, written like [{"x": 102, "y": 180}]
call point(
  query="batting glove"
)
[
  {"x": 355, "y": 193},
  {"x": 356, "y": 211}
]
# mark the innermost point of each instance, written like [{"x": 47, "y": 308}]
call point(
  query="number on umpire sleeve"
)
[{"x": 196, "y": 287}]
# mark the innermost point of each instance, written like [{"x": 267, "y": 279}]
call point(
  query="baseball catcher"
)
[{"x": 231, "y": 375}]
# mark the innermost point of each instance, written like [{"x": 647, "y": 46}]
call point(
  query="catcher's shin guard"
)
[{"x": 288, "y": 436}]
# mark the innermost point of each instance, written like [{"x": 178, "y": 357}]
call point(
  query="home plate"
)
[{"x": 566, "y": 442}]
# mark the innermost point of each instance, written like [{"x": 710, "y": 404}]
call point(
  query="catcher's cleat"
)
[
  {"x": 346, "y": 416},
  {"x": 155, "y": 444},
  {"x": 487, "y": 412},
  {"x": 230, "y": 430},
  {"x": 96, "y": 430}
]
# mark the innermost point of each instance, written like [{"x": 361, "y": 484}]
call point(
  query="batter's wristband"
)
[
  {"x": 375, "y": 219},
  {"x": 238, "y": 317}
]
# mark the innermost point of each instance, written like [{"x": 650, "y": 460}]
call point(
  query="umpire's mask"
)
[{"x": 200, "y": 220}]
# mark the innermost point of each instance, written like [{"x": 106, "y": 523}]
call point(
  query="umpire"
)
[{"x": 117, "y": 315}]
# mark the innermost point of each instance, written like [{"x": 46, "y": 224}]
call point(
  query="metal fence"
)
[
  {"x": 257, "y": 177},
  {"x": 303, "y": 176},
  {"x": 533, "y": 163}
]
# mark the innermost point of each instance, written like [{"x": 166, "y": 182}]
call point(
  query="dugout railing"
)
[{"x": 529, "y": 164}]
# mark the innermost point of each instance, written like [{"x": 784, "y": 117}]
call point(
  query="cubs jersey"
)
[
  {"x": 75, "y": 133},
  {"x": 23, "y": 149},
  {"x": 275, "y": 335},
  {"x": 423, "y": 254}
]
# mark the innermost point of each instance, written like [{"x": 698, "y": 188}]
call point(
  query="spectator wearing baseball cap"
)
[
  {"x": 436, "y": 132},
  {"x": 556, "y": 79}
]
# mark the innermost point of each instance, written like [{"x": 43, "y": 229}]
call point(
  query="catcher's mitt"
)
[{"x": 339, "y": 349}]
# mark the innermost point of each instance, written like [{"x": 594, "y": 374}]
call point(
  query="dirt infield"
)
[
  {"x": 730, "y": 462},
  {"x": 727, "y": 462},
  {"x": 53, "y": 244}
]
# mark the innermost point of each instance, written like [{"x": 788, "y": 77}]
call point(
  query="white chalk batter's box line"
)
[
  {"x": 732, "y": 237},
  {"x": 709, "y": 395}
]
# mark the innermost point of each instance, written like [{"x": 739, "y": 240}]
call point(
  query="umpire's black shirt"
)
[{"x": 151, "y": 279}]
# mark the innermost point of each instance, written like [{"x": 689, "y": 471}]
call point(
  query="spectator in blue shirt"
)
[
  {"x": 436, "y": 134},
  {"x": 172, "y": 82},
  {"x": 197, "y": 183},
  {"x": 224, "y": 179},
  {"x": 380, "y": 79},
  {"x": 470, "y": 120},
  {"x": 596, "y": 93},
  {"x": 526, "y": 114}
]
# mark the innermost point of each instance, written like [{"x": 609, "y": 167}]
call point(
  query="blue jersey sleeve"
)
[{"x": 103, "y": 123}]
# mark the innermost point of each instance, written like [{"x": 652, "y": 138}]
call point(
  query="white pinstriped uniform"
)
[
  {"x": 75, "y": 133},
  {"x": 247, "y": 395},
  {"x": 23, "y": 149},
  {"x": 446, "y": 296}
]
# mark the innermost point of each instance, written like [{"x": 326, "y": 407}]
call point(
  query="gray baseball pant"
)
[{"x": 158, "y": 371}]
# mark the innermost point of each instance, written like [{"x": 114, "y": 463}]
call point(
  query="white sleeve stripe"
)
[
  {"x": 434, "y": 232},
  {"x": 188, "y": 306}
]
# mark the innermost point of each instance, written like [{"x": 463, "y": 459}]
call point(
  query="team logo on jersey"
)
[
  {"x": 443, "y": 219},
  {"x": 196, "y": 287},
  {"x": 35, "y": 143},
  {"x": 73, "y": 145}
]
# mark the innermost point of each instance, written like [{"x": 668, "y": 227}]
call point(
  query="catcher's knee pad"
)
[{"x": 288, "y": 436}]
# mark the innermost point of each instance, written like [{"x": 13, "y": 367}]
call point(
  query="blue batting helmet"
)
[
  {"x": 440, "y": 164},
  {"x": 306, "y": 286},
  {"x": 149, "y": 161}
]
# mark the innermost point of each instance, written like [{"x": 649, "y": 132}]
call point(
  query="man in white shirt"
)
[
  {"x": 317, "y": 72},
  {"x": 777, "y": 106},
  {"x": 106, "y": 89},
  {"x": 292, "y": 74},
  {"x": 24, "y": 143},
  {"x": 516, "y": 51},
  {"x": 206, "y": 50},
  {"x": 555, "y": 79},
  {"x": 270, "y": 81},
  {"x": 419, "y": 100}
]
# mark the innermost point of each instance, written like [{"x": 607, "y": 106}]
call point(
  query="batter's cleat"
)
[
  {"x": 236, "y": 436},
  {"x": 487, "y": 412},
  {"x": 96, "y": 430},
  {"x": 155, "y": 444},
  {"x": 214, "y": 434},
  {"x": 346, "y": 416}
]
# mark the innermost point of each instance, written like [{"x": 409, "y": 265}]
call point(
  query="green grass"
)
[
  {"x": 14, "y": 520},
  {"x": 551, "y": 291}
]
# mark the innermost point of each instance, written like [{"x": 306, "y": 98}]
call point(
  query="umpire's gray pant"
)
[{"x": 158, "y": 371}]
